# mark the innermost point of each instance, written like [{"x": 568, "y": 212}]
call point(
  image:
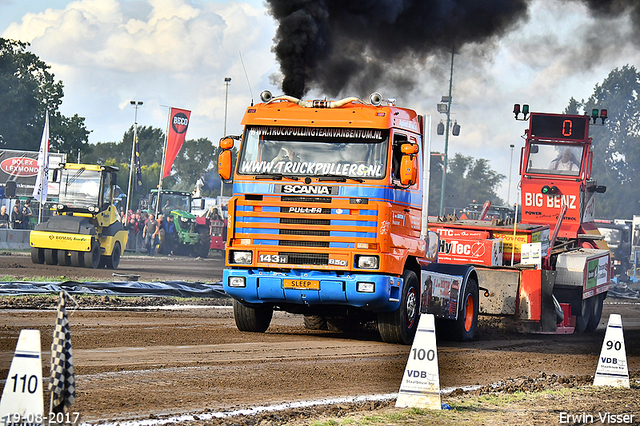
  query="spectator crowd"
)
[{"x": 151, "y": 235}]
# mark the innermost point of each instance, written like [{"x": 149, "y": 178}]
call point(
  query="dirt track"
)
[{"x": 140, "y": 363}]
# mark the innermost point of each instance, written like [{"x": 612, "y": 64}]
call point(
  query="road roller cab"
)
[{"x": 86, "y": 229}]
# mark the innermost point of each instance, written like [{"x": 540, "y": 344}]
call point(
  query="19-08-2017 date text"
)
[{"x": 37, "y": 419}]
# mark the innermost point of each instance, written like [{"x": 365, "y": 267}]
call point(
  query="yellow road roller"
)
[{"x": 85, "y": 230}]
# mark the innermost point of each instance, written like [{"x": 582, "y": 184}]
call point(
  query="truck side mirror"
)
[
  {"x": 408, "y": 169},
  {"x": 56, "y": 174},
  {"x": 224, "y": 164},
  {"x": 114, "y": 178},
  {"x": 226, "y": 143}
]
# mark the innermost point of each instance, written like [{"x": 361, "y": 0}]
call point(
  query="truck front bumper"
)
[{"x": 377, "y": 293}]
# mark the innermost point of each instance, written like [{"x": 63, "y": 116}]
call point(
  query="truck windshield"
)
[
  {"x": 170, "y": 202},
  {"x": 554, "y": 159},
  {"x": 80, "y": 188},
  {"x": 174, "y": 202},
  {"x": 308, "y": 151}
]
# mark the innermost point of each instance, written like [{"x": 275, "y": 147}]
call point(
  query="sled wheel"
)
[
  {"x": 37, "y": 255},
  {"x": 586, "y": 309},
  {"x": 252, "y": 318},
  {"x": 51, "y": 256},
  {"x": 400, "y": 325},
  {"x": 596, "y": 313}
]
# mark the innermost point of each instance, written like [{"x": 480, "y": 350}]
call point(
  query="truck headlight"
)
[
  {"x": 237, "y": 282},
  {"x": 363, "y": 287},
  {"x": 184, "y": 219},
  {"x": 367, "y": 262},
  {"x": 241, "y": 257}
]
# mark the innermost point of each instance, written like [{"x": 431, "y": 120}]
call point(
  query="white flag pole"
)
[{"x": 41, "y": 188}]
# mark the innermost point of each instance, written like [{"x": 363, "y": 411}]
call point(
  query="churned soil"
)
[{"x": 148, "y": 358}]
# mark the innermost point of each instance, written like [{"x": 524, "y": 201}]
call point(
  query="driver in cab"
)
[
  {"x": 566, "y": 162},
  {"x": 286, "y": 154}
]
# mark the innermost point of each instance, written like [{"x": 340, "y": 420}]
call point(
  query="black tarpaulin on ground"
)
[{"x": 116, "y": 288}]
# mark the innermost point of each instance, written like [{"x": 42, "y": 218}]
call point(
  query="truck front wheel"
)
[
  {"x": 315, "y": 322},
  {"x": 400, "y": 325},
  {"x": 255, "y": 319}
]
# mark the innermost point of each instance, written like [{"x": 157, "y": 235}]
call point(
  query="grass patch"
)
[{"x": 12, "y": 278}]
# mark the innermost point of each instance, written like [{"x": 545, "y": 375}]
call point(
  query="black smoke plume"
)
[{"x": 333, "y": 45}]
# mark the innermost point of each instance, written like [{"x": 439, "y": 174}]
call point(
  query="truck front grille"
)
[
  {"x": 306, "y": 258},
  {"x": 298, "y": 222}
]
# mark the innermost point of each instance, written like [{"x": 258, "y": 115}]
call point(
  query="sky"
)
[{"x": 179, "y": 52}]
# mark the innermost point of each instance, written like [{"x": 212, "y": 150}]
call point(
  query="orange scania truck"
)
[{"x": 326, "y": 220}]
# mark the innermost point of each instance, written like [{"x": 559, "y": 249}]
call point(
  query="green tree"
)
[
  {"x": 195, "y": 158},
  {"x": 150, "y": 141},
  {"x": 616, "y": 144},
  {"x": 467, "y": 180},
  {"x": 27, "y": 91}
]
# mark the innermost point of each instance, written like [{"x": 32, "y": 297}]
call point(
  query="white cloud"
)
[
  {"x": 164, "y": 52},
  {"x": 178, "y": 52}
]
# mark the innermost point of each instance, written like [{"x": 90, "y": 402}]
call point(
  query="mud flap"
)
[{"x": 548, "y": 312}]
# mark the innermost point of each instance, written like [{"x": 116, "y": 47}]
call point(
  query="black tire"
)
[
  {"x": 51, "y": 256},
  {"x": 64, "y": 258},
  {"x": 37, "y": 255},
  {"x": 204, "y": 244},
  {"x": 315, "y": 322},
  {"x": 92, "y": 258},
  {"x": 255, "y": 319},
  {"x": 113, "y": 261},
  {"x": 77, "y": 259},
  {"x": 400, "y": 326},
  {"x": 594, "y": 314},
  {"x": 582, "y": 321},
  {"x": 464, "y": 328}
]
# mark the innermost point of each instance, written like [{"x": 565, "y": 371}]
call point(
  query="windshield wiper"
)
[
  {"x": 338, "y": 178},
  {"x": 277, "y": 176},
  {"x": 74, "y": 177}
]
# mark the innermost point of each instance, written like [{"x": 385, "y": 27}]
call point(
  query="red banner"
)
[{"x": 178, "y": 124}]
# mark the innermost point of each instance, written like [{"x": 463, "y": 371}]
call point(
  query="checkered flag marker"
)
[{"x": 63, "y": 382}]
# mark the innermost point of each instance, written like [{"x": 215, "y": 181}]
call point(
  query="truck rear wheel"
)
[
  {"x": 464, "y": 328},
  {"x": 37, "y": 255},
  {"x": 51, "y": 256},
  {"x": 255, "y": 319},
  {"x": 400, "y": 326}
]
